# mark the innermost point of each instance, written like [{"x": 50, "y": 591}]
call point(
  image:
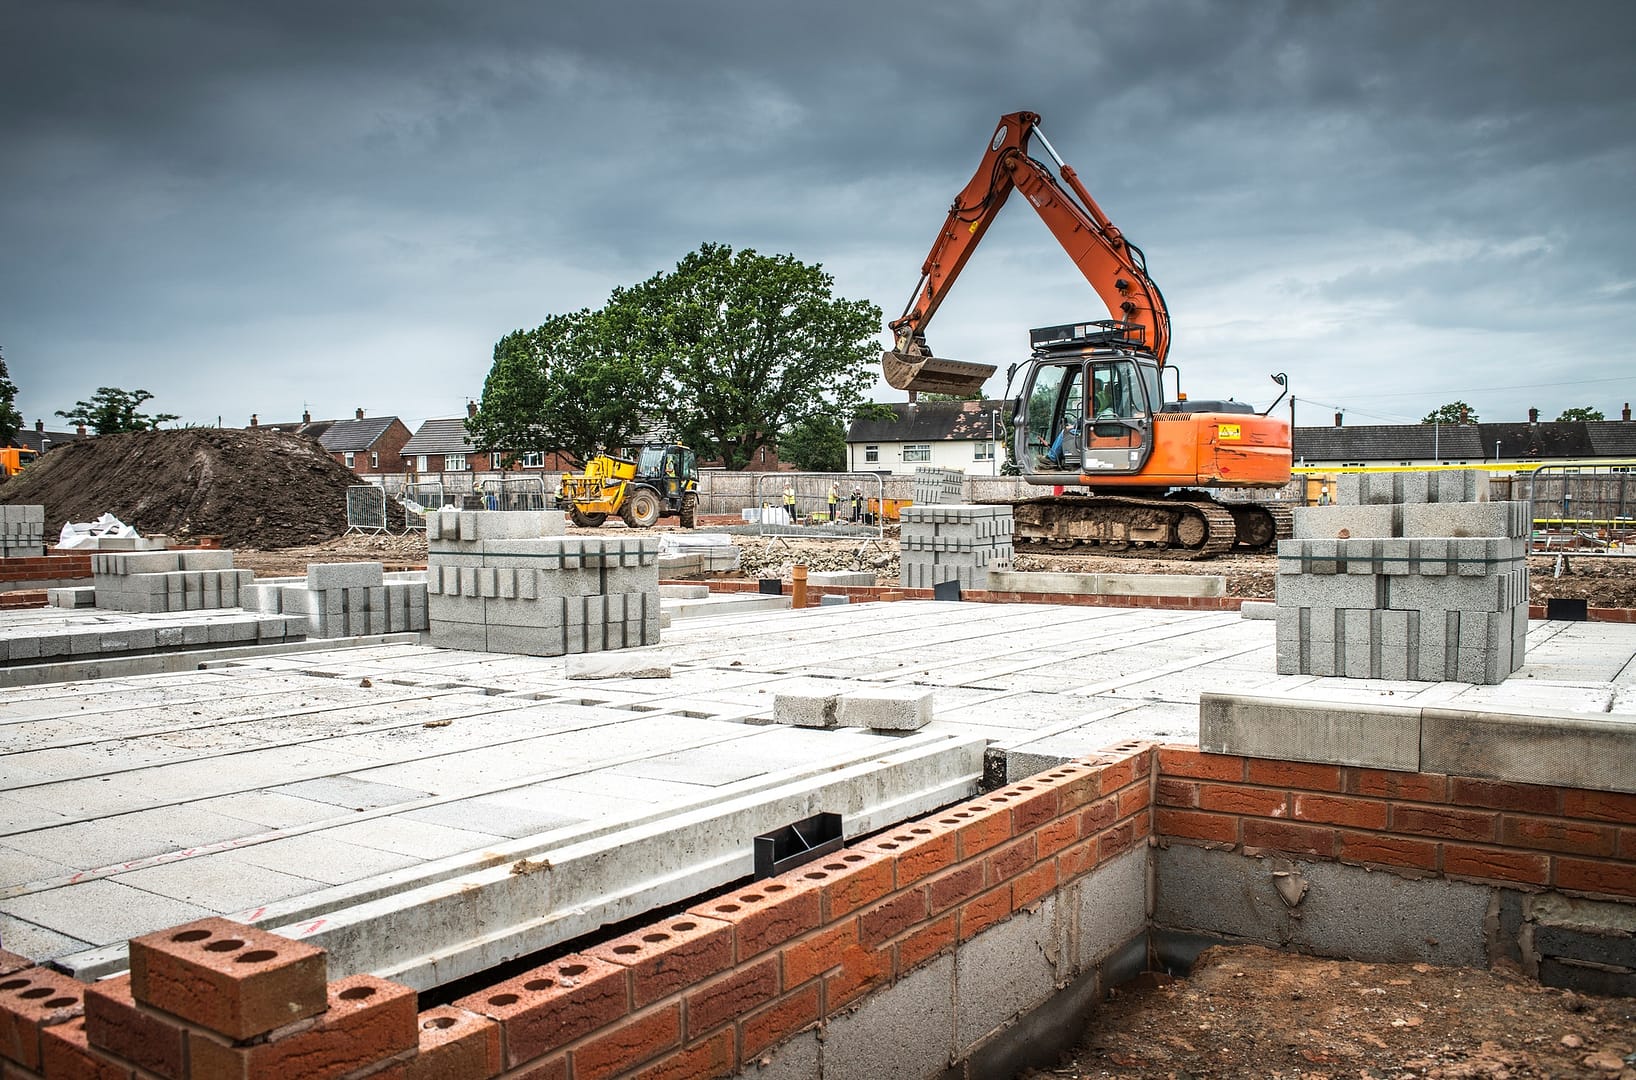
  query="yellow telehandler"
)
[{"x": 662, "y": 479}]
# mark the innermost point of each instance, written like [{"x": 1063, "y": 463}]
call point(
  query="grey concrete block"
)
[
  {"x": 887, "y": 708},
  {"x": 618, "y": 666},
  {"x": 814, "y": 709},
  {"x": 1333, "y": 590},
  {"x": 344, "y": 575},
  {"x": 910, "y": 1025},
  {"x": 1332, "y": 732},
  {"x": 1332, "y": 522},
  {"x": 1007, "y": 970},
  {"x": 1459, "y": 486},
  {"x": 208, "y": 559},
  {"x": 1495, "y": 519},
  {"x": 1539, "y": 747}
]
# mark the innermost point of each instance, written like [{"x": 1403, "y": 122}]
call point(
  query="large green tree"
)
[
  {"x": 11, "y": 421},
  {"x": 1581, "y": 413},
  {"x": 1455, "y": 412},
  {"x": 816, "y": 444},
  {"x": 746, "y": 346},
  {"x": 112, "y": 410},
  {"x": 562, "y": 387}
]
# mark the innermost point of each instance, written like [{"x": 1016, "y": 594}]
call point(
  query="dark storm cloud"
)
[{"x": 248, "y": 207}]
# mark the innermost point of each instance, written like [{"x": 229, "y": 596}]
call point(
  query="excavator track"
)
[{"x": 1120, "y": 525}]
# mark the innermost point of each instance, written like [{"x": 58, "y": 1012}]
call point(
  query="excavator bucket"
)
[{"x": 933, "y": 374}]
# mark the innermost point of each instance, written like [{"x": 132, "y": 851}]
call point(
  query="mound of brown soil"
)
[{"x": 252, "y": 488}]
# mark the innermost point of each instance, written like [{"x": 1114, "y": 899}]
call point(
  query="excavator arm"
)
[{"x": 1114, "y": 267}]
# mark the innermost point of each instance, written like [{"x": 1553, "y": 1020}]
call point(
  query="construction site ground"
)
[{"x": 1603, "y": 580}]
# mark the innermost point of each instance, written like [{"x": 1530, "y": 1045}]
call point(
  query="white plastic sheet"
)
[{"x": 77, "y": 535}]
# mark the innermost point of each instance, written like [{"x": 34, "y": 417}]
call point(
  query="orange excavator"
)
[{"x": 1092, "y": 409}]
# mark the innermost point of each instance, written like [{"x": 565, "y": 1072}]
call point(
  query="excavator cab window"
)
[{"x": 1054, "y": 416}]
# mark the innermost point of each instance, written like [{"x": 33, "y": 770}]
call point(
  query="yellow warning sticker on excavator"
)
[{"x": 1225, "y": 432}]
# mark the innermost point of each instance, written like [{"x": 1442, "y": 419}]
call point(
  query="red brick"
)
[
  {"x": 1032, "y": 884},
  {"x": 861, "y": 971},
  {"x": 1056, "y": 835},
  {"x": 1170, "y": 792},
  {"x": 1076, "y": 860},
  {"x": 1132, "y": 799},
  {"x": 1615, "y": 806},
  {"x": 1594, "y": 876},
  {"x": 65, "y": 1054},
  {"x": 1627, "y": 844},
  {"x": 1115, "y": 774},
  {"x": 673, "y": 953},
  {"x": 1216, "y": 828},
  {"x": 1288, "y": 837},
  {"x": 1460, "y": 860},
  {"x": 1076, "y": 785},
  {"x": 1186, "y": 761},
  {"x": 369, "y": 1020},
  {"x": 116, "y": 1023},
  {"x": 920, "y": 849},
  {"x": 1032, "y": 805},
  {"x": 737, "y": 994},
  {"x": 1007, "y": 862},
  {"x": 549, "y": 1007},
  {"x": 1497, "y": 795},
  {"x": 1554, "y": 834},
  {"x": 1099, "y": 815},
  {"x": 1119, "y": 839},
  {"x": 1257, "y": 802},
  {"x": 1407, "y": 786},
  {"x": 925, "y": 942},
  {"x": 30, "y": 1000},
  {"x": 1340, "y": 810},
  {"x": 636, "y": 1040},
  {"x": 981, "y": 827},
  {"x": 1388, "y": 850},
  {"x": 454, "y": 1045},
  {"x": 1294, "y": 774},
  {"x": 1445, "y": 824},
  {"x": 714, "y": 1057},
  {"x": 11, "y": 962},
  {"x": 893, "y": 916},
  {"x": 229, "y": 978},
  {"x": 766, "y": 913},
  {"x": 780, "y": 1020},
  {"x": 852, "y": 879},
  {"x": 553, "y": 1069},
  {"x": 809, "y": 957},
  {"x": 984, "y": 911}
]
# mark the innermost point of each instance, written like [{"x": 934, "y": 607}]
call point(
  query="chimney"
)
[
  {"x": 359, "y": 415},
  {"x": 79, "y": 429},
  {"x": 39, "y": 425},
  {"x": 1533, "y": 416},
  {"x": 253, "y": 420},
  {"x": 471, "y": 408},
  {"x": 306, "y": 416},
  {"x": 1626, "y": 416},
  {"x": 1337, "y": 419}
]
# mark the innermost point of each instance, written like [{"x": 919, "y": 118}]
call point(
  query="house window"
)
[
  {"x": 534, "y": 459},
  {"x": 351, "y": 459},
  {"x": 982, "y": 451},
  {"x": 917, "y": 452},
  {"x": 374, "y": 459},
  {"x": 420, "y": 463},
  {"x": 871, "y": 453},
  {"x": 454, "y": 462}
]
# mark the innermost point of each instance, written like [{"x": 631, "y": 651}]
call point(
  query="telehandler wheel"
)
[
  {"x": 690, "y": 511},
  {"x": 585, "y": 520},
  {"x": 642, "y": 508}
]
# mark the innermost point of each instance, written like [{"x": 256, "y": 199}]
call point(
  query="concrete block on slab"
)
[
  {"x": 809, "y": 709},
  {"x": 1339, "y": 522},
  {"x": 617, "y": 666},
  {"x": 887, "y": 708}
]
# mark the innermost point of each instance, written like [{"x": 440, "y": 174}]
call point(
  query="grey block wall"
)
[
  {"x": 1428, "y": 590},
  {"x": 22, "y": 531},
  {"x": 512, "y": 582},
  {"x": 952, "y": 543}
]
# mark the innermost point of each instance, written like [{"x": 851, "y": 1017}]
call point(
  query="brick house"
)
[
  {"x": 968, "y": 435},
  {"x": 443, "y": 445},
  {"x": 40, "y": 440},
  {"x": 367, "y": 446},
  {"x": 306, "y": 426}
]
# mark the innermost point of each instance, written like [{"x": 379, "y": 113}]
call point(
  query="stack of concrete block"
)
[
  {"x": 1415, "y": 577},
  {"x": 696, "y": 554},
  {"x": 512, "y": 582},
  {"x": 162, "y": 581},
  {"x": 22, "y": 531},
  {"x": 345, "y": 600},
  {"x": 934, "y": 487},
  {"x": 956, "y": 542}
]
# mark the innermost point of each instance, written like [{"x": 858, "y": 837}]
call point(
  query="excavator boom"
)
[{"x": 1114, "y": 267}]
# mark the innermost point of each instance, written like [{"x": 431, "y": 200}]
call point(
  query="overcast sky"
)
[{"x": 255, "y": 208}]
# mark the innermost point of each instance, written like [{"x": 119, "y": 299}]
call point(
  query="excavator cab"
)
[{"x": 1087, "y": 405}]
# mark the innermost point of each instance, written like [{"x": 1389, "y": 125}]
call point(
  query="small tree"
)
[
  {"x": 816, "y": 444},
  {"x": 112, "y": 410},
  {"x": 1455, "y": 412},
  {"x": 11, "y": 421},
  {"x": 1580, "y": 413}
]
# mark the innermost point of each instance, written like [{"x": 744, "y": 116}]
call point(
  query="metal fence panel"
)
[
  {"x": 811, "y": 517},
  {"x": 366, "y": 509},
  {"x": 1594, "y": 504},
  {"x": 515, "y": 493},
  {"x": 418, "y": 500}
]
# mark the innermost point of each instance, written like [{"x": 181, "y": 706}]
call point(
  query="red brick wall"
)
[{"x": 46, "y": 568}]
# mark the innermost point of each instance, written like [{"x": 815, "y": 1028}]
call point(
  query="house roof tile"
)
[
  {"x": 440, "y": 437},
  {"x": 932, "y": 421},
  {"x": 355, "y": 435}
]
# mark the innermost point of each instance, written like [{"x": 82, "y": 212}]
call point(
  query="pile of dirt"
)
[{"x": 253, "y": 488}]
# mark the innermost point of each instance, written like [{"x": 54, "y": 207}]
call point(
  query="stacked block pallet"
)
[
  {"x": 952, "y": 543},
  {"x": 346, "y": 600},
  {"x": 1416, "y": 576},
  {"x": 512, "y": 582},
  {"x": 22, "y": 531},
  {"x": 934, "y": 487},
  {"x": 165, "y": 581}
]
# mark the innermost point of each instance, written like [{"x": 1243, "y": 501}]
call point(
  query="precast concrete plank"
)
[
  {"x": 222, "y": 882},
  {"x": 614, "y": 785},
  {"x": 18, "y": 867},
  {"x": 91, "y": 844},
  {"x": 323, "y": 858},
  {"x": 102, "y": 912},
  {"x": 34, "y": 941},
  {"x": 485, "y": 815},
  {"x": 18, "y": 813},
  {"x": 405, "y": 836},
  {"x": 350, "y": 793},
  {"x": 269, "y": 810},
  {"x": 1537, "y": 694},
  {"x": 91, "y": 797}
]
